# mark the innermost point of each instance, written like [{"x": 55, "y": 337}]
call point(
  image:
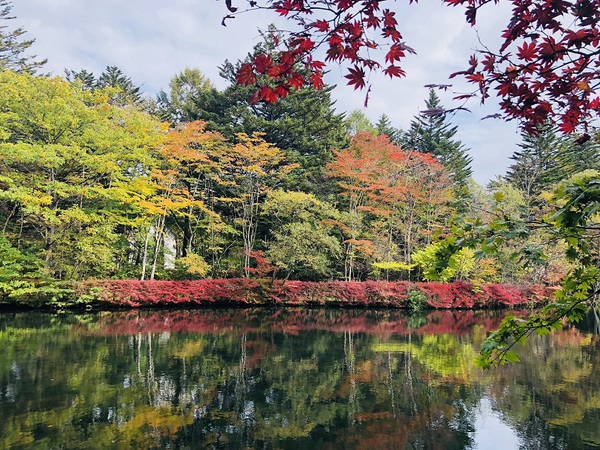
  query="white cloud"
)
[{"x": 152, "y": 41}]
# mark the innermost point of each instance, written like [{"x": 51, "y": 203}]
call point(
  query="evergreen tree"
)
[
  {"x": 13, "y": 48},
  {"x": 114, "y": 77},
  {"x": 384, "y": 126},
  {"x": 126, "y": 93},
  {"x": 86, "y": 78},
  {"x": 535, "y": 166},
  {"x": 547, "y": 158},
  {"x": 575, "y": 157},
  {"x": 432, "y": 134}
]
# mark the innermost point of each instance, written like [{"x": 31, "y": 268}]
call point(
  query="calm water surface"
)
[{"x": 316, "y": 379}]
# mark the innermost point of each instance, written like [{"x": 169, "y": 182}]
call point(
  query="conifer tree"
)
[
  {"x": 12, "y": 48},
  {"x": 535, "y": 166},
  {"x": 431, "y": 133},
  {"x": 126, "y": 93},
  {"x": 384, "y": 126}
]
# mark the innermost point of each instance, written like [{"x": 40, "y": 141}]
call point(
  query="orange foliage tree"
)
[{"x": 395, "y": 198}]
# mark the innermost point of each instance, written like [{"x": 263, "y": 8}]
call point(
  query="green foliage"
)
[
  {"x": 302, "y": 242},
  {"x": 573, "y": 223},
  {"x": 72, "y": 170},
  {"x": 416, "y": 300},
  {"x": 431, "y": 133},
  {"x": 436, "y": 265}
]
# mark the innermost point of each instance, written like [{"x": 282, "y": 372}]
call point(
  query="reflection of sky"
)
[{"x": 491, "y": 432}]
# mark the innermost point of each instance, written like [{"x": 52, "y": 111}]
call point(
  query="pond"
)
[{"x": 297, "y": 379}]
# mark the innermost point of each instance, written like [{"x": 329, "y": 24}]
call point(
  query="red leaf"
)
[
  {"x": 281, "y": 91},
  {"x": 394, "y": 71},
  {"x": 396, "y": 53},
  {"x": 263, "y": 63},
  {"x": 317, "y": 80},
  {"x": 527, "y": 52},
  {"x": 245, "y": 75},
  {"x": 306, "y": 45},
  {"x": 296, "y": 80},
  {"x": 321, "y": 25},
  {"x": 356, "y": 77},
  {"x": 475, "y": 78},
  {"x": 268, "y": 95},
  {"x": 388, "y": 19}
]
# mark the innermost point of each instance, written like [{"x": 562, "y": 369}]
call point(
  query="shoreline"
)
[{"x": 245, "y": 293}]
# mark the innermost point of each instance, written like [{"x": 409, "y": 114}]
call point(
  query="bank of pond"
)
[
  {"x": 291, "y": 378},
  {"x": 103, "y": 294}
]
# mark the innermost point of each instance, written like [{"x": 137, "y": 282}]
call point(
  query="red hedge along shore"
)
[{"x": 252, "y": 292}]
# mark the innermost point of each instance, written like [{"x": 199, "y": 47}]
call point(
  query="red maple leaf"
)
[
  {"x": 317, "y": 80},
  {"x": 394, "y": 71},
  {"x": 395, "y": 53},
  {"x": 356, "y": 77},
  {"x": 268, "y": 94},
  {"x": 527, "y": 52},
  {"x": 388, "y": 19},
  {"x": 263, "y": 63},
  {"x": 321, "y": 25},
  {"x": 245, "y": 75},
  {"x": 296, "y": 80}
]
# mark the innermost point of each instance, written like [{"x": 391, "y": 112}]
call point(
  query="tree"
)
[
  {"x": 112, "y": 79},
  {"x": 13, "y": 48},
  {"x": 180, "y": 103},
  {"x": 535, "y": 166},
  {"x": 358, "y": 122},
  {"x": 430, "y": 133},
  {"x": 73, "y": 172},
  {"x": 250, "y": 170},
  {"x": 395, "y": 199},
  {"x": 384, "y": 126},
  {"x": 304, "y": 124},
  {"x": 545, "y": 69},
  {"x": 303, "y": 244}
]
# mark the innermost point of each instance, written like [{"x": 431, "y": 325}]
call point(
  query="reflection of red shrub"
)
[
  {"x": 244, "y": 291},
  {"x": 293, "y": 321}
]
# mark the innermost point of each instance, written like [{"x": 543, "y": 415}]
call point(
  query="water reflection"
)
[{"x": 315, "y": 379}]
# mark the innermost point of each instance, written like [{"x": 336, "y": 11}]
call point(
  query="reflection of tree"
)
[{"x": 317, "y": 381}]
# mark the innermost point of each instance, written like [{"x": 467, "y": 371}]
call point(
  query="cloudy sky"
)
[{"x": 152, "y": 40}]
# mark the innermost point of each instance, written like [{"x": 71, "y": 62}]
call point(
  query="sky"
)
[{"x": 153, "y": 40}]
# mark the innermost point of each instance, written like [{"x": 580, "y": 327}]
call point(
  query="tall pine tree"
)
[
  {"x": 535, "y": 166},
  {"x": 432, "y": 134},
  {"x": 13, "y": 48},
  {"x": 384, "y": 126}
]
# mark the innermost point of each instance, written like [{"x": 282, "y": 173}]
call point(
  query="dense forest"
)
[{"x": 99, "y": 181}]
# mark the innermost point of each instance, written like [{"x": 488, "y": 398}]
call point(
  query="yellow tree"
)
[
  {"x": 250, "y": 169},
  {"x": 65, "y": 154}
]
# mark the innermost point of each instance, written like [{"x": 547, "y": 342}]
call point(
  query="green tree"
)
[
  {"x": 358, "y": 122},
  {"x": 302, "y": 243},
  {"x": 112, "y": 79},
  {"x": 187, "y": 90},
  {"x": 70, "y": 166},
  {"x": 431, "y": 133},
  {"x": 13, "y": 48},
  {"x": 535, "y": 166},
  {"x": 384, "y": 126}
]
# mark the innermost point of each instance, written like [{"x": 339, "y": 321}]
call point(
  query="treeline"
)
[{"x": 97, "y": 182}]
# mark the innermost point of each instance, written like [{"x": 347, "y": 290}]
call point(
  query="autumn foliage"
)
[
  {"x": 247, "y": 292},
  {"x": 545, "y": 69}
]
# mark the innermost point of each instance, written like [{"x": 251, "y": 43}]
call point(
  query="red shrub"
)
[{"x": 244, "y": 291}]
